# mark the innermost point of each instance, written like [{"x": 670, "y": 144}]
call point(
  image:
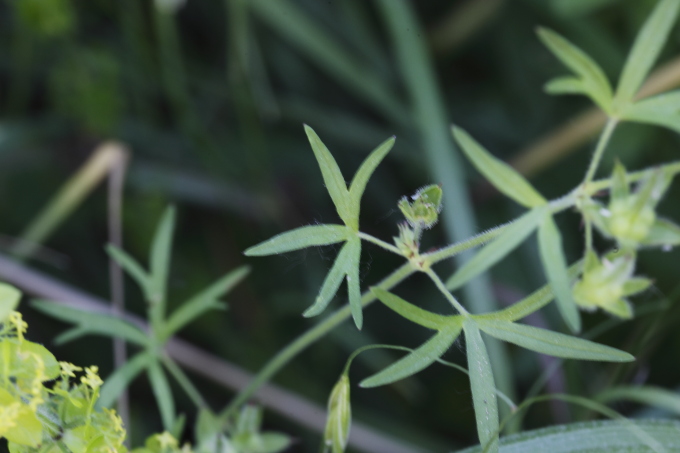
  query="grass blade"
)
[
  {"x": 555, "y": 266},
  {"x": 496, "y": 250},
  {"x": 646, "y": 49},
  {"x": 483, "y": 387},
  {"x": 417, "y": 360},
  {"x": 551, "y": 343}
]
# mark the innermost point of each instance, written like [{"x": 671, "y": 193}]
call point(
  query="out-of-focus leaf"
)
[
  {"x": 496, "y": 250},
  {"x": 159, "y": 259},
  {"x": 551, "y": 343},
  {"x": 646, "y": 49},
  {"x": 555, "y": 266},
  {"x": 132, "y": 267},
  {"x": 9, "y": 299},
  {"x": 647, "y": 395},
  {"x": 593, "y": 82},
  {"x": 121, "y": 378},
  {"x": 662, "y": 110},
  {"x": 505, "y": 178},
  {"x": 299, "y": 238},
  {"x": 483, "y": 387},
  {"x": 162, "y": 392}
]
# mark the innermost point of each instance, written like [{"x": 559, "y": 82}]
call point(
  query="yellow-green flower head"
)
[
  {"x": 68, "y": 369},
  {"x": 606, "y": 283},
  {"x": 19, "y": 324},
  {"x": 91, "y": 378}
]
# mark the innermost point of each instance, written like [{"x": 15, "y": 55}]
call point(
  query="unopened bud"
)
[
  {"x": 423, "y": 210},
  {"x": 339, "y": 419}
]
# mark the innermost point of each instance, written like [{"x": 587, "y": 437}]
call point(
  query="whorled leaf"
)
[
  {"x": 662, "y": 110},
  {"x": 505, "y": 178},
  {"x": 409, "y": 311},
  {"x": 363, "y": 174},
  {"x": 299, "y": 238}
]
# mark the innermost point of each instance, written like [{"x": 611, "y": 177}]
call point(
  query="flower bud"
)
[
  {"x": 339, "y": 419},
  {"x": 423, "y": 210}
]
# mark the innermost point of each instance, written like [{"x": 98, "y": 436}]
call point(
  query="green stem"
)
[
  {"x": 387, "y": 246},
  {"x": 673, "y": 168},
  {"x": 442, "y": 287},
  {"x": 599, "y": 150},
  {"x": 308, "y": 338},
  {"x": 184, "y": 381}
]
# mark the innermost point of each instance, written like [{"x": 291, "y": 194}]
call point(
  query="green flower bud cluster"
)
[
  {"x": 422, "y": 212},
  {"x": 606, "y": 283}
]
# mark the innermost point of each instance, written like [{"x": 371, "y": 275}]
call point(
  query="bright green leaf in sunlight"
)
[
  {"x": 483, "y": 387},
  {"x": 299, "y": 238},
  {"x": 551, "y": 343},
  {"x": 662, "y": 110},
  {"x": 591, "y": 79},
  {"x": 9, "y": 299},
  {"x": 648, "y": 45},
  {"x": 496, "y": 250},
  {"x": 505, "y": 178},
  {"x": 555, "y": 266}
]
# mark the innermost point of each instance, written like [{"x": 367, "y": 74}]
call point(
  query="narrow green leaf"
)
[
  {"x": 356, "y": 189},
  {"x": 121, "y": 378},
  {"x": 132, "y": 267},
  {"x": 565, "y": 85},
  {"x": 353, "y": 283},
  {"x": 409, "y": 311},
  {"x": 533, "y": 302},
  {"x": 300, "y": 238},
  {"x": 646, "y": 49},
  {"x": 9, "y": 299},
  {"x": 95, "y": 323},
  {"x": 333, "y": 280},
  {"x": 72, "y": 334},
  {"x": 482, "y": 386},
  {"x": 646, "y": 395},
  {"x": 417, "y": 360},
  {"x": 636, "y": 285},
  {"x": 159, "y": 258},
  {"x": 551, "y": 343},
  {"x": 162, "y": 392},
  {"x": 592, "y": 77},
  {"x": 555, "y": 266},
  {"x": 662, "y": 110},
  {"x": 203, "y": 301},
  {"x": 333, "y": 179},
  {"x": 505, "y": 178},
  {"x": 663, "y": 233},
  {"x": 595, "y": 436},
  {"x": 620, "y": 188},
  {"x": 496, "y": 250}
]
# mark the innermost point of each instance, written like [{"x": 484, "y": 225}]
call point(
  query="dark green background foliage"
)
[{"x": 211, "y": 101}]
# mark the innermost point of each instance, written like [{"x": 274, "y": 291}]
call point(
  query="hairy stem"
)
[{"x": 442, "y": 287}]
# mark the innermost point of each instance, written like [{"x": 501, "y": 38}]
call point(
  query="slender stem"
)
[
  {"x": 673, "y": 168},
  {"x": 442, "y": 287},
  {"x": 599, "y": 150},
  {"x": 184, "y": 381},
  {"x": 380, "y": 242},
  {"x": 308, "y": 338}
]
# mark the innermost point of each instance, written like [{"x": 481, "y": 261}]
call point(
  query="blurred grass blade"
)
[
  {"x": 285, "y": 17},
  {"x": 160, "y": 256},
  {"x": 9, "y": 300},
  {"x": 595, "y": 436},
  {"x": 551, "y": 343},
  {"x": 356, "y": 189},
  {"x": 103, "y": 159},
  {"x": 120, "y": 379},
  {"x": 353, "y": 283},
  {"x": 648, "y": 45},
  {"x": 417, "y": 360},
  {"x": 132, "y": 267},
  {"x": 501, "y": 175},
  {"x": 203, "y": 301},
  {"x": 646, "y": 395},
  {"x": 332, "y": 281},
  {"x": 333, "y": 179},
  {"x": 555, "y": 266},
  {"x": 496, "y": 250},
  {"x": 409, "y": 311},
  {"x": 162, "y": 392},
  {"x": 300, "y": 238},
  {"x": 483, "y": 387},
  {"x": 662, "y": 110},
  {"x": 96, "y": 323},
  {"x": 593, "y": 81}
]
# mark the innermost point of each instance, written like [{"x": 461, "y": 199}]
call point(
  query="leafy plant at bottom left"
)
[{"x": 36, "y": 416}]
